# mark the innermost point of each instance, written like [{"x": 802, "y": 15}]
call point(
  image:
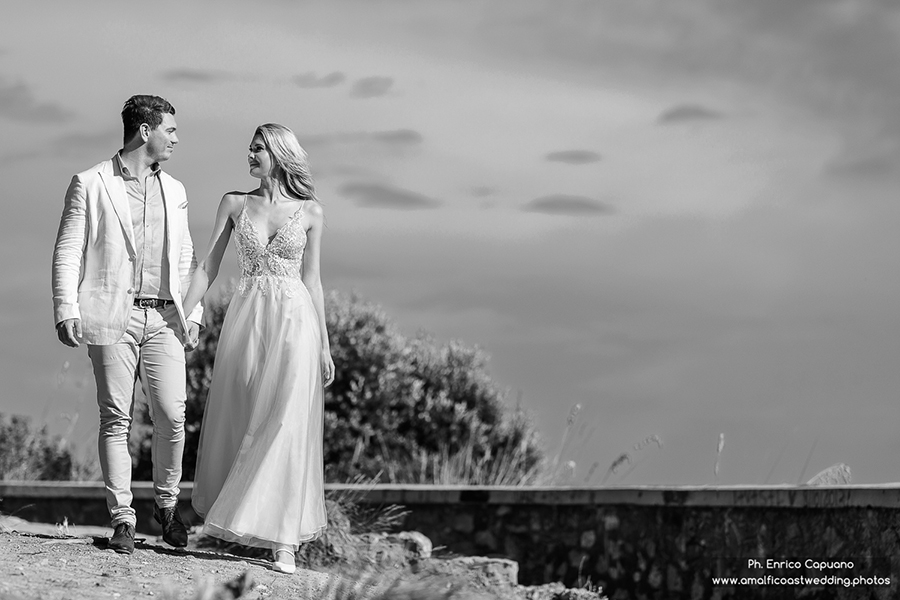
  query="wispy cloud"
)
[
  {"x": 94, "y": 146},
  {"x": 563, "y": 204},
  {"x": 311, "y": 80},
  {"x": 480, "y": 191},
  {"x": 837, "y": 59},
  {"x": 17, "y": 102},
  {"x": 397, "y": 136},
  {"x": 87, "y": 144},
  {"x": 196, "y": 75},
  {"x": 371, "y": 87},
  {"x": 574, "y": 157},
  {"x": 688, "y": 112},
  {"x": 378, "y": 195},
  {"x": 394, "y": 138},
  {"x": 875, "y": 160}
]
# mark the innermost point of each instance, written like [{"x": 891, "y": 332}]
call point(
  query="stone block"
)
[
  {"x": 464, "y": 547},
  {"x": 517, "y": 528},
  {"x": 588, "y": 539},
  {"x": 512, "y": 547},
  {"x": 464, "y": 522},
  {"x": 486, "y": 539},
  {"x": 655, "y": 578},
  {"x": 673, "y": 579}
]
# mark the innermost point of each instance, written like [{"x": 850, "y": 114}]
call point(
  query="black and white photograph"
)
[{"x": 450, "y": 299}]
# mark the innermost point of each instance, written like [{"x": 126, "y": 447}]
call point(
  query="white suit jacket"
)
[{"x": 93, "y": 260}]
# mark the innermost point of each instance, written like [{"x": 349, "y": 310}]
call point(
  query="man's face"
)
[{"x": 161, "y": 141}]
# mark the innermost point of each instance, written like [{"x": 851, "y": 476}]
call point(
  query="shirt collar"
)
[{"x": 120, "y": 170}]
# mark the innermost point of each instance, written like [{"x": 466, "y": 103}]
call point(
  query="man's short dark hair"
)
[{"x": 142, "y": 109}]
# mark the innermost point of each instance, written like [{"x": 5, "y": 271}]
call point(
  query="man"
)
[{"x": 122, "y": 260}]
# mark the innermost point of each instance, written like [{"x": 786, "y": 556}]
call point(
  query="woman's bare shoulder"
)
[
  {"x": 235, "y": 196},
  {"x": 314, "y": 210},
  {"x": 232, "y": 203}
]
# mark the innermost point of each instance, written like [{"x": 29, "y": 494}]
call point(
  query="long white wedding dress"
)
[{"x": 260, "y": 474}]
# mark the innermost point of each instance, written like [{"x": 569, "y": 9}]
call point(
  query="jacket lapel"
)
[{"x": 115, "y": 188}]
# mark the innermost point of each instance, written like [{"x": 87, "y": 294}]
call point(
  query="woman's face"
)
[{"x": 259, "y": 159}]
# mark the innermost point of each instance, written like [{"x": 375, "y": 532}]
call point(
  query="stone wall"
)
[{"x": 636, "y": 542}]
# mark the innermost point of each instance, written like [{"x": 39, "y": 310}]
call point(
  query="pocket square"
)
[{"x": 183, "y": 204}]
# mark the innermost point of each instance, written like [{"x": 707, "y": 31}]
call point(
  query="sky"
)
[{"x": 656, "y": 218}]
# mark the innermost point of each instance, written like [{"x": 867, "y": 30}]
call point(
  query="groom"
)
[{"x": 122, "y": 260}]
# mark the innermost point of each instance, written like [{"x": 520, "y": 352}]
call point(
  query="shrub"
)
[
  {"x": 408, "y": 409},
  {"x": 28, "y": 454},
  {"x": 400, "y": 409}
]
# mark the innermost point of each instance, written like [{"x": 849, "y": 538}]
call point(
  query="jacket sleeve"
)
[
  {"x": 68, "y": 253},
  {"x": 186, "y": 265}
]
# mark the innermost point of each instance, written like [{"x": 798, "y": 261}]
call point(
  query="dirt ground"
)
[
  {"x": 51, "y": 566},
  {"x": 52, "y": 562}
]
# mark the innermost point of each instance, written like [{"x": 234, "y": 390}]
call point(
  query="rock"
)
[
  {"x": 578, "y": 594},
  {"x": 498, "y": 571},
  {"x": 588, "y": 539},
  {"x": 486, "y": 539},
  {"x": 838, "y": 474},
  {"x": 610, "y": 522},
  {"x": 414, "y": 542},
  {"x": 557, "y": 591},
  {"x": 464, "y": 522}
]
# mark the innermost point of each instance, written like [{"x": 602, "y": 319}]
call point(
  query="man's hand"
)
[
  {"x": 193, "y": 336},
  {"x": 69, "y": 331}
]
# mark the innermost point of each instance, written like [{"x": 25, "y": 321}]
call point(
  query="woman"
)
[{"x": 260, "y": 473}]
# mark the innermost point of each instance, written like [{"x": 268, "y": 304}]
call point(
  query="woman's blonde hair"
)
[{"x": 292, "y": 168}]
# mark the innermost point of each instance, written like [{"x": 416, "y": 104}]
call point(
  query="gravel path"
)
[
  {"x": 51, "y": 562},
  {"x": 51, "y": 566}
]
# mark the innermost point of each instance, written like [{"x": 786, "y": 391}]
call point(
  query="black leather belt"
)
[{"x": 152, "y": 302}]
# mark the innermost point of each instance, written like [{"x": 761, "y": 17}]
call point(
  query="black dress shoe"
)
[
  {"x": 122, "y": 540},
  {"x": 174, "y": 531}
]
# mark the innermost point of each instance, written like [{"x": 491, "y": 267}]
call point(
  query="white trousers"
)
[{"x": 152, "y": 350}]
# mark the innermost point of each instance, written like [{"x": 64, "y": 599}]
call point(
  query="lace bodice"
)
[{"x": 273, "y": 266}]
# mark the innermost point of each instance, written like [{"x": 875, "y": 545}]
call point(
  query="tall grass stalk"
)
[
  {"x": 806, "y": 462},
  {"x": 719, "y": 448},
  {"x": 470, "y": 465},
  {"x": 565, "y": 441},
  {"x": 628, "y": 458}
]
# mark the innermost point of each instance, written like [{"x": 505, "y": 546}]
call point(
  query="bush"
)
[
  {"x": 30, "y": 454},
  {"x": 414, "y": 411},
  {"x": 400, "y": 409}
]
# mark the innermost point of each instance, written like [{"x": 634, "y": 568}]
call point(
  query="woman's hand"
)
[{"x": 327, "y": 367}]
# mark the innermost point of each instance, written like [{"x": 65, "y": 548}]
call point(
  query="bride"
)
[{"x": 260, "y": 472}]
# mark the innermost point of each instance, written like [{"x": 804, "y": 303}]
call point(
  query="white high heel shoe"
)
[{"x": 286, "y": 564}]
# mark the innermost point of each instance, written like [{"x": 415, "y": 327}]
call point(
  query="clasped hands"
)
[{"x": 69, "y": 331}]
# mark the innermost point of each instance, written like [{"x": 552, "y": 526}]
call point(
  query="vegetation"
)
[
  {"x": 27, "y": 453},
  {"x": 368, "y": 563},
  {"x": 411, "y": 410},
  {"x": 402, "y": 410}
]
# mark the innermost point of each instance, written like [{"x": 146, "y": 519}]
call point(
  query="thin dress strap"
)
[{"x": 241, "y": 212}]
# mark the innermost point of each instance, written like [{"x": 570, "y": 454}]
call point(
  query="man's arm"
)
[
  {"x": 187, "y": 263},
  {"x": 68, "y": 254}
]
